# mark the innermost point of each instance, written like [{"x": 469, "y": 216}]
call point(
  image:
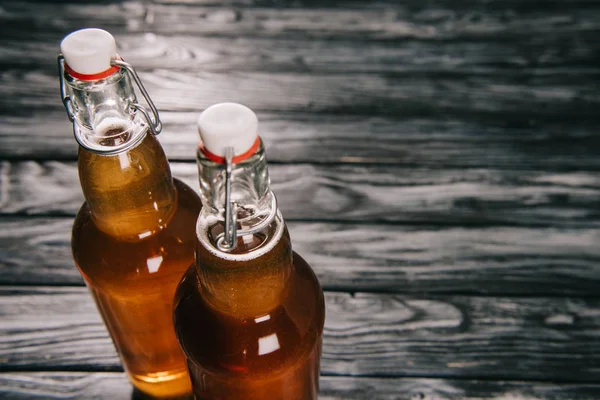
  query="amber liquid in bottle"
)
[
  {"x": 132, "y": 241},
  {"x": 251, "y": 328}
]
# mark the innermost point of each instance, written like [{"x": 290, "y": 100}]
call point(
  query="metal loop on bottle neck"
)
[
  {"x": 63, "y": 88},
  {"x": 153, "y": 121},
  {"x": 227, "y": 241}
]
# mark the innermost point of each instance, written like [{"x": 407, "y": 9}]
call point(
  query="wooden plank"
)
[
  {"x": 453, "y": 92},
  {"x": 435, "y": 36},
  {"x": 509, "y": 118},
  {"x": 114, "y": 386},
  {"x": 367, "y": 257},
  {"x": 459, "y": 56},
  {"x": 396, "y": 95},
  {"x": 300, "y": 137},
  {"x": 365, "y": 335},
  {"x": 474, "y": 197},
  {"x": 342, "y": 388},
  {"x": 379, "y": 20},
  {"x": 488, "y": 105}
]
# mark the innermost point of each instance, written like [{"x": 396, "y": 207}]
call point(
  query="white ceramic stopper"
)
[
  {"x": 89, "y": 51},
  {"x": 228, "y": 125}
]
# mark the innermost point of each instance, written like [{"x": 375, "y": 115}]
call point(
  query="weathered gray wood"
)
[
  {"x": 483, "y": 84},
  {"x": 365, "y": 334},
  {"x": 368, "y": 257},
  {"x": 381, "y": 20},
  {"x": 114, "y": 386},
  {"x": 65, "y": 385},
  {"x": 487, "y": 109},
  {"x": 400, "y": 96},
  {"x": 301, "y": 137},
  {"x": 536, "y": 34},
  {"x": 343, "y": 388},
  {"x": 477, "y": 197},
  {"x": 184, "y": 52}
]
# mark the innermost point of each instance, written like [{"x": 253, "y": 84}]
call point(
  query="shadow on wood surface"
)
[{"x": 137, "y": 395}]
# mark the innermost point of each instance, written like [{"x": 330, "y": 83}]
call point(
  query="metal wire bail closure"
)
[
  {"x": 63, "y": 88},
  {"x": 152, "y": 119},
  {"x": 227, "y": 241}
]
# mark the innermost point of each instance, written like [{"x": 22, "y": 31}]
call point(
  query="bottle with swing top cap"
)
[
  {"x": 134, "y": 236},
  {"x": 249, "y": 314}
]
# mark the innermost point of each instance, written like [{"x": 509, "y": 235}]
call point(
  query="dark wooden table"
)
[{"x": 438, "y": 163}]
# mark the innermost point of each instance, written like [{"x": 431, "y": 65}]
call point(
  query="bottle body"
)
[
  {"x": 132, "y": 241},
  {"x": 251, "y": 329},
  {"x": 134, "y": 237},
  {"x": 249, "y": 314}
]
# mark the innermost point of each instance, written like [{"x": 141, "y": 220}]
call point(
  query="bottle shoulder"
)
[
  {"x": 188, "y": 206},
  {"x": 101, "y": 257}
]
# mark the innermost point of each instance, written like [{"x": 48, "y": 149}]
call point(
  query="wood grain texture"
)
[
  {"x": 114, "y": 386},
  {"x": 499, "y": 19},
  {"x": 368, "y": 257},
  {"x": 365, "y": 334},
  {"x": 469, "y": 197},
  {"x": 449, "y": 142},
  {"x": 459, "y": 56},
  {"x": 442, "y": 156},
  {"x": 400, "y": 96},
  {"x": 484, "y": 84}
]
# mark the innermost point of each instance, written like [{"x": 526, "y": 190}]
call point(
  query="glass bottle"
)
[
  {"x": 249, "y": 314},
  {"x": 134, "y": 236}
]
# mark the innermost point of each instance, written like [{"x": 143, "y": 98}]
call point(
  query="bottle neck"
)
[
  {"x": 250, "y": 190},
  {"x": 105, "y": 119},
  {"x": 130, "y": 193},
  {"x": 250, "y": 279},
  {"x": 251, "y": 200}
]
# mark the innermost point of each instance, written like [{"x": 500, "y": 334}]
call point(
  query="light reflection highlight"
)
[
  {"x": 268, "y": 344},
  {"x": 262, "y": 319},
  {"x": 154, "y": 263}
]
